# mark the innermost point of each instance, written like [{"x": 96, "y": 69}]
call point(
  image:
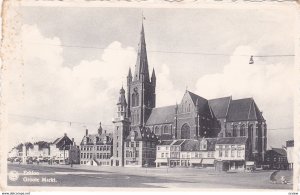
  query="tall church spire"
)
[{"x": 141, "y": 66}]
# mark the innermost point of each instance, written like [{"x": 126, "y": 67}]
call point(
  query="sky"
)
[{"x": 75, "y": 60}]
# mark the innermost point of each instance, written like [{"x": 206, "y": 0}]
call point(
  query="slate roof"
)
[
  {"x": 165, "y": 142},
  {"x": 162, "y": 115},
  {"x": 178, "y": 142},
  {"x": 203, "y": 106},
  {"x": 232, "y": 140},
  {"x": 190, "y": 145},
  {"x": 99, "y": 139},
  {"x": 165, "y": 136},
  {"x": 145, "y": 134},
  {"x": 243, "y": 110},
  {"x": 220, "y": 106},
  {"x": 195, "y": 97},
  {"x": 42, "y": 144}
]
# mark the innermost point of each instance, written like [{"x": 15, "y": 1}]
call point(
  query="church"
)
[{"x": 139, "y": 125}]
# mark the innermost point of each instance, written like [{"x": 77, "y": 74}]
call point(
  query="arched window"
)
[
  {"x": 133, "y": 100},
  {"x": 185, "y": 131},
  {"x": 133, "y": 117},
  {"x": 250, "y": 131},
  {"x": 137, "y": 99},
  {"x": 156, "y": 131},
  {"x": 234, "y": 131},
  {"x": 189, "y": 108},
  {"x": 243, "y": 131},
  {"x": 166, "y": 129}
]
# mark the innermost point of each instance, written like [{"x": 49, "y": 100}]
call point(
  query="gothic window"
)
[
  {"x": 185, "y": 131},
  {"x": 250, "y": 132},
  {"x": 189, "y": 108},
  {"x": 256, "y": 143},
  {"x": 156, "y": 131},
  {"x": 137, "y": 99},
  {"x": 242, "y": 131},
  {"x": 185, "y": 110},
  {"x": 234, "y": 131},
  {"x": 133, "y": 100},
  {"x": 166, "y": 129}
]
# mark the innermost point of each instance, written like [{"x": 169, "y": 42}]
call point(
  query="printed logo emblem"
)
[{"x": 13, "y": 175}]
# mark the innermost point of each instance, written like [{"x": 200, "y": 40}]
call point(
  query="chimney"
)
[
  {"x": 104, "y": 131},
  {"x": 65, "y": 134},
  {"x": 86, "y": 132},
  {"x": 73, "y": 142}
]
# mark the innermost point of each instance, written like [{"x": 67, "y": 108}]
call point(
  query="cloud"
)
[
  {"x": 271, "y": 86},
  {"x": 46, "y": 88},
  {"x": 86, "y": 92},
  {"x": 166, "y": 92}
]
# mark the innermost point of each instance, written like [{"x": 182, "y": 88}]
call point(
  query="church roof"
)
[
  {"x": 162, "y": 115},
  {"x": 200, "y": 102},
  {"x": 243, "y": 110},
  {"x": 196, "y": 97},
  {"x": 220, "y": 106},
  {"x": 232, "y": 140}
]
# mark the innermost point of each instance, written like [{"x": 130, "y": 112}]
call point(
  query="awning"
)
[
  {"x": 208, "y": 161},
  {"x": 250, "y": 163},
  {"x": 196, "y": 161},
  {"x": 161, "y": 160}
]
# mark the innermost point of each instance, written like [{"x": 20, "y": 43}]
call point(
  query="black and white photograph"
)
[{"x": 149, "y": 97}]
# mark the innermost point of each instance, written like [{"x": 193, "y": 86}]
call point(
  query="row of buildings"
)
[
  {"x": 224, "y": 132},
  {"x": 97, "y": 150},
  {"x": 62, "y": 150}
]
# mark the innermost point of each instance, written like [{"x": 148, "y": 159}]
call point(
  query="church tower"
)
[
  {"x": 141, "y": 90},
  {"x": 121, "y": 130}
]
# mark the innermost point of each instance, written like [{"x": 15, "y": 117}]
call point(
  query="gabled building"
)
[
  {"x": 276, "y": 158},
  {"x": 60, "y": 150},
  {"x": 231, "y": 153},
  {"x": 96, "y": 149},
  {"x": 163, "y": 153},
  {"x": 242, "y": 118},
  {"x": 140, "y": 148}
]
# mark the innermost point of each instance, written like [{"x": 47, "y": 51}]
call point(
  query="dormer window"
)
[{"x": 203, "y": 145}]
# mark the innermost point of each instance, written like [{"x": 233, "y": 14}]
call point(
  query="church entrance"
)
[{"x": 185, "y": 131}]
